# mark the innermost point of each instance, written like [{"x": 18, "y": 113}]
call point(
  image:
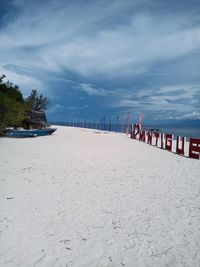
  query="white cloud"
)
[
  {"x": 191, "y": 116},
  {"x": 126, "y": 103},
  {"x": 77, "y": 107},
  {"x": 171, "y": 98},
  {"x": 90, "y": 90},
  {"x": 54, "y": 109}
]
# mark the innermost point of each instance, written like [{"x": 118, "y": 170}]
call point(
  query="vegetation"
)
[
  {"x": 35, "y": 102},
  {"x": 14, "y": 109}
]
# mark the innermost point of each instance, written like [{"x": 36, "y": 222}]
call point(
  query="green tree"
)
[
  {"x": 12, "y": 105},
  {"x": 14, "y": 110},
  {"x": 36, "y": 102}
]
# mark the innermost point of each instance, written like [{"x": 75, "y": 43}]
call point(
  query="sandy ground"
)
[{"x": 85, "y": 198}]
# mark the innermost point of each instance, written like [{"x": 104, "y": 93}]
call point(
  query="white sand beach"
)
[{"x": 82, "y": 197}]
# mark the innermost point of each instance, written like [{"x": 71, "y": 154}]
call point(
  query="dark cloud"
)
[{"x": 8, "y": 12}]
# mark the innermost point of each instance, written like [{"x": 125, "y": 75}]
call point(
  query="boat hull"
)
[{"x": 30, "y": 133}]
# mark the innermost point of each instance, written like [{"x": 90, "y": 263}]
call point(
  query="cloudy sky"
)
[{"x": 103, "y": 57}]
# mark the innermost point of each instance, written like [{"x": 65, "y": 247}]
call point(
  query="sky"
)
[{"x": 97, "y": 57}]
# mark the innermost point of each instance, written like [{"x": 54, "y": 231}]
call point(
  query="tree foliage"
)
[
  {"x": 36, "y": 102},
  {"x": 12, "y": 106}
]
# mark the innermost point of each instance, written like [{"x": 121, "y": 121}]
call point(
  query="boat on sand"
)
[{"x": 30, "y": 133}]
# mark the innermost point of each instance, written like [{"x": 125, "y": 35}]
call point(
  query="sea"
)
[
  {"x": 187, "y": 131},
  {"x": 181, "y": 129}
]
